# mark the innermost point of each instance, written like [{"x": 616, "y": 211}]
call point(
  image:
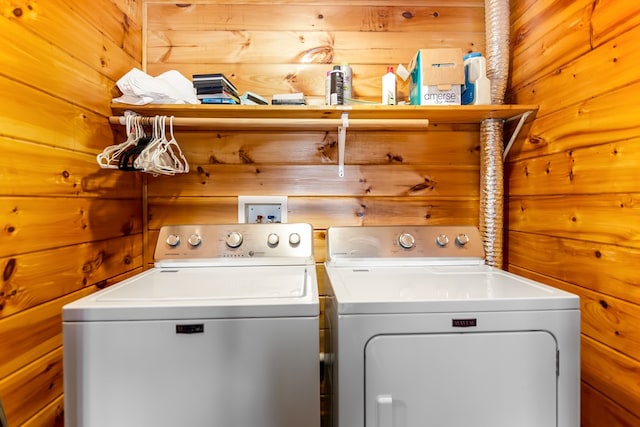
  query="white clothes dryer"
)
[
  {"x": 223, "y": 331},
  {"x": 422, "y": 333}
]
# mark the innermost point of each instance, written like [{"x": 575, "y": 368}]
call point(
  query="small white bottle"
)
[
  {"x": 327, "y": 89},
  {"x": 389, "y": 87},
  {"x": 348, "y": 80}
]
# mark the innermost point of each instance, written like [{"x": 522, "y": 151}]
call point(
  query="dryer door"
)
[{"x": 500, "y": 379}]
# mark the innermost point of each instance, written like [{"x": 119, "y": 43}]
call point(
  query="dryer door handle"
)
[{"x": 384, "y": 403}]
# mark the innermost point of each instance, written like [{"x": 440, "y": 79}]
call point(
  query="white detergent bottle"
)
[
  {"x": 389, "y": 87},
  {"x": 477, "y": 87}
]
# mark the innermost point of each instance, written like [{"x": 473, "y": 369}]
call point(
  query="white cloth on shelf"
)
[{"x": 171, "y": 87}]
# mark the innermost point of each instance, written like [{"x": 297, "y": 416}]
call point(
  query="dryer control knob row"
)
[
  {"x": 233, "y": 239},
  {"x": 406, "y": 240}
]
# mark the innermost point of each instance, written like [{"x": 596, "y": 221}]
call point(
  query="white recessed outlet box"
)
[{"x": 262, "y": 209}]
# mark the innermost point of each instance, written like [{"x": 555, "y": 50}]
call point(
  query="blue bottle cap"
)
[{"x": 472, "y": 55}]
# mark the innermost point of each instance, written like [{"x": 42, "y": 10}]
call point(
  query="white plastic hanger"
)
[
  {"x": 168, "y": 158},
  {"x": 108, "y": 159},
  {"x": 144, "y": 161}
]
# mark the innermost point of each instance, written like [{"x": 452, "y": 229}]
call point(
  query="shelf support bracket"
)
[
  {"x": 514, "y": 135},
  {"x": 342, "y": 135}
]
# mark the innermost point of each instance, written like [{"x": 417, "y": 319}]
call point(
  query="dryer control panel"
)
[
  {"x": 234, "y": 241},
  {"x": 404, "y": 242}
]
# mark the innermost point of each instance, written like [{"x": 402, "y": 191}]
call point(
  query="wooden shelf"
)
[
  {"x": 321, "y": 117},
  {"x": 434, "y": 114}
]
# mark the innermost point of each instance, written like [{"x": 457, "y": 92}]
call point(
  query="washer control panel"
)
[
  {"x": 404, "y": 242},
  {"x": 214, "y": 241}
]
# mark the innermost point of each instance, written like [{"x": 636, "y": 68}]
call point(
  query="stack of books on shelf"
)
[{"x": 215, "y": 89}]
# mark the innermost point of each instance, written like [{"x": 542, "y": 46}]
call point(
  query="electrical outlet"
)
[{"x": 262, "y": 209}]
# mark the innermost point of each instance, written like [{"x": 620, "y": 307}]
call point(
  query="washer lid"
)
[
  {"x": 415, "y": 289},
  {"x": 204, "y": 292}
]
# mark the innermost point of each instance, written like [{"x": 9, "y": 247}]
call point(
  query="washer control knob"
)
[
  {"x": 195, "y": 240},
  {"x": 173, "y": 240},
  {"x": 294, "y": 239},
  {"x": 406, "y": 240},
  {"x": 273, "y": 239},
  {"x": 233, "y": 239},
  {"x": 442, "y": 240},
  {"x": 462, "y": 239}
]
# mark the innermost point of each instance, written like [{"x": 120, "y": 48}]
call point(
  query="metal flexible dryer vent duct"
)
[{"x": 491, "y": 132}]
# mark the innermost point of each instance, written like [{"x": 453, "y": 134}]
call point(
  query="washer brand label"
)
[
  {"x": 464, "y": 323},
  {"x": 197, "y": 328}
]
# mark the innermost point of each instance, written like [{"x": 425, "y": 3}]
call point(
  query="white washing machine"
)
[
  {"x": 422, "y": 333},
  {"x": 223, "y": 331}
]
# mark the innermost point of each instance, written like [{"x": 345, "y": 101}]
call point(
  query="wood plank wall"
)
[
  {"x": 391, "y": 177},
  {"x": 573, "y": 185},
  {"x": 68, "y": 227}
]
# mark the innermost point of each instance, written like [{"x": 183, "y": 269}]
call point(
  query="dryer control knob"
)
[
  {"x": 233, "y": 239},
  {"x": 406, "y": 240},
  {"x": 294, "y": 239},
  {"x": 195, "y": 240},
  {"x": 273, "y": 239},
  {"x": 173, "y": 240},
  {"x": 462, "y": 239},
  {"x": 442, "y": 240}
]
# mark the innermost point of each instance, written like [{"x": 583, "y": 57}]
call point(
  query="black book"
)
[
  {"x": 215, "y": 78},
  {"x": 215, "y": 89}
]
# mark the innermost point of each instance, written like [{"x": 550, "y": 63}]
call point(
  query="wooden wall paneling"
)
[
  {"x": 51, "y": 415},
  {"x": 284, "y": 47},
  {"x": 52, "y": 71},
  {"x": 286, "y": 78},
  {"x": 191, "y": 210},
  {"x": 317, "y": 36},
  {"x": 321, "y": 212},
  {"x": 120, "y": 21},
  {"x": 133, "y": 11},
  {"x": 95, "y": 35},
  {"x": 598, "y": 410},
  {"x": 612, "y": 373},
  {"x": 34, "y": 332},
  {"x": 41, "y": 326},
  {"x": 605, "y": 168},
  {"x": 613, "y": 64},
  {"x": 36, "y": 169},
  {"x": 598, "y": 120},
  {"x": 608, "y": 218},
  {"x": 294, "y": 180},
  {"x": 343, "y": 211},
  {"x": 612, "y": 18},
  {"x": 34, "y": 223},
  {"x": 435, "y": 3},
  {"x": 312, "y": 16},
  {"x": 34, "y": 278},
  {"x": 609, "y": 320},
  {"x": 437, "y": 146},
  {"x": 605, "y": 268},
  {"x": 572, "y": 182},
  {"x": 38, "y": 384},
  {"x": 69, "y": 226},
  {"x": 32, "y": 115},
  {"x": 556, "y": 33}
]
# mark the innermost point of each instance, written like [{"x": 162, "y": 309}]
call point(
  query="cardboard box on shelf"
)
[{"x": 437, "y": 76}]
